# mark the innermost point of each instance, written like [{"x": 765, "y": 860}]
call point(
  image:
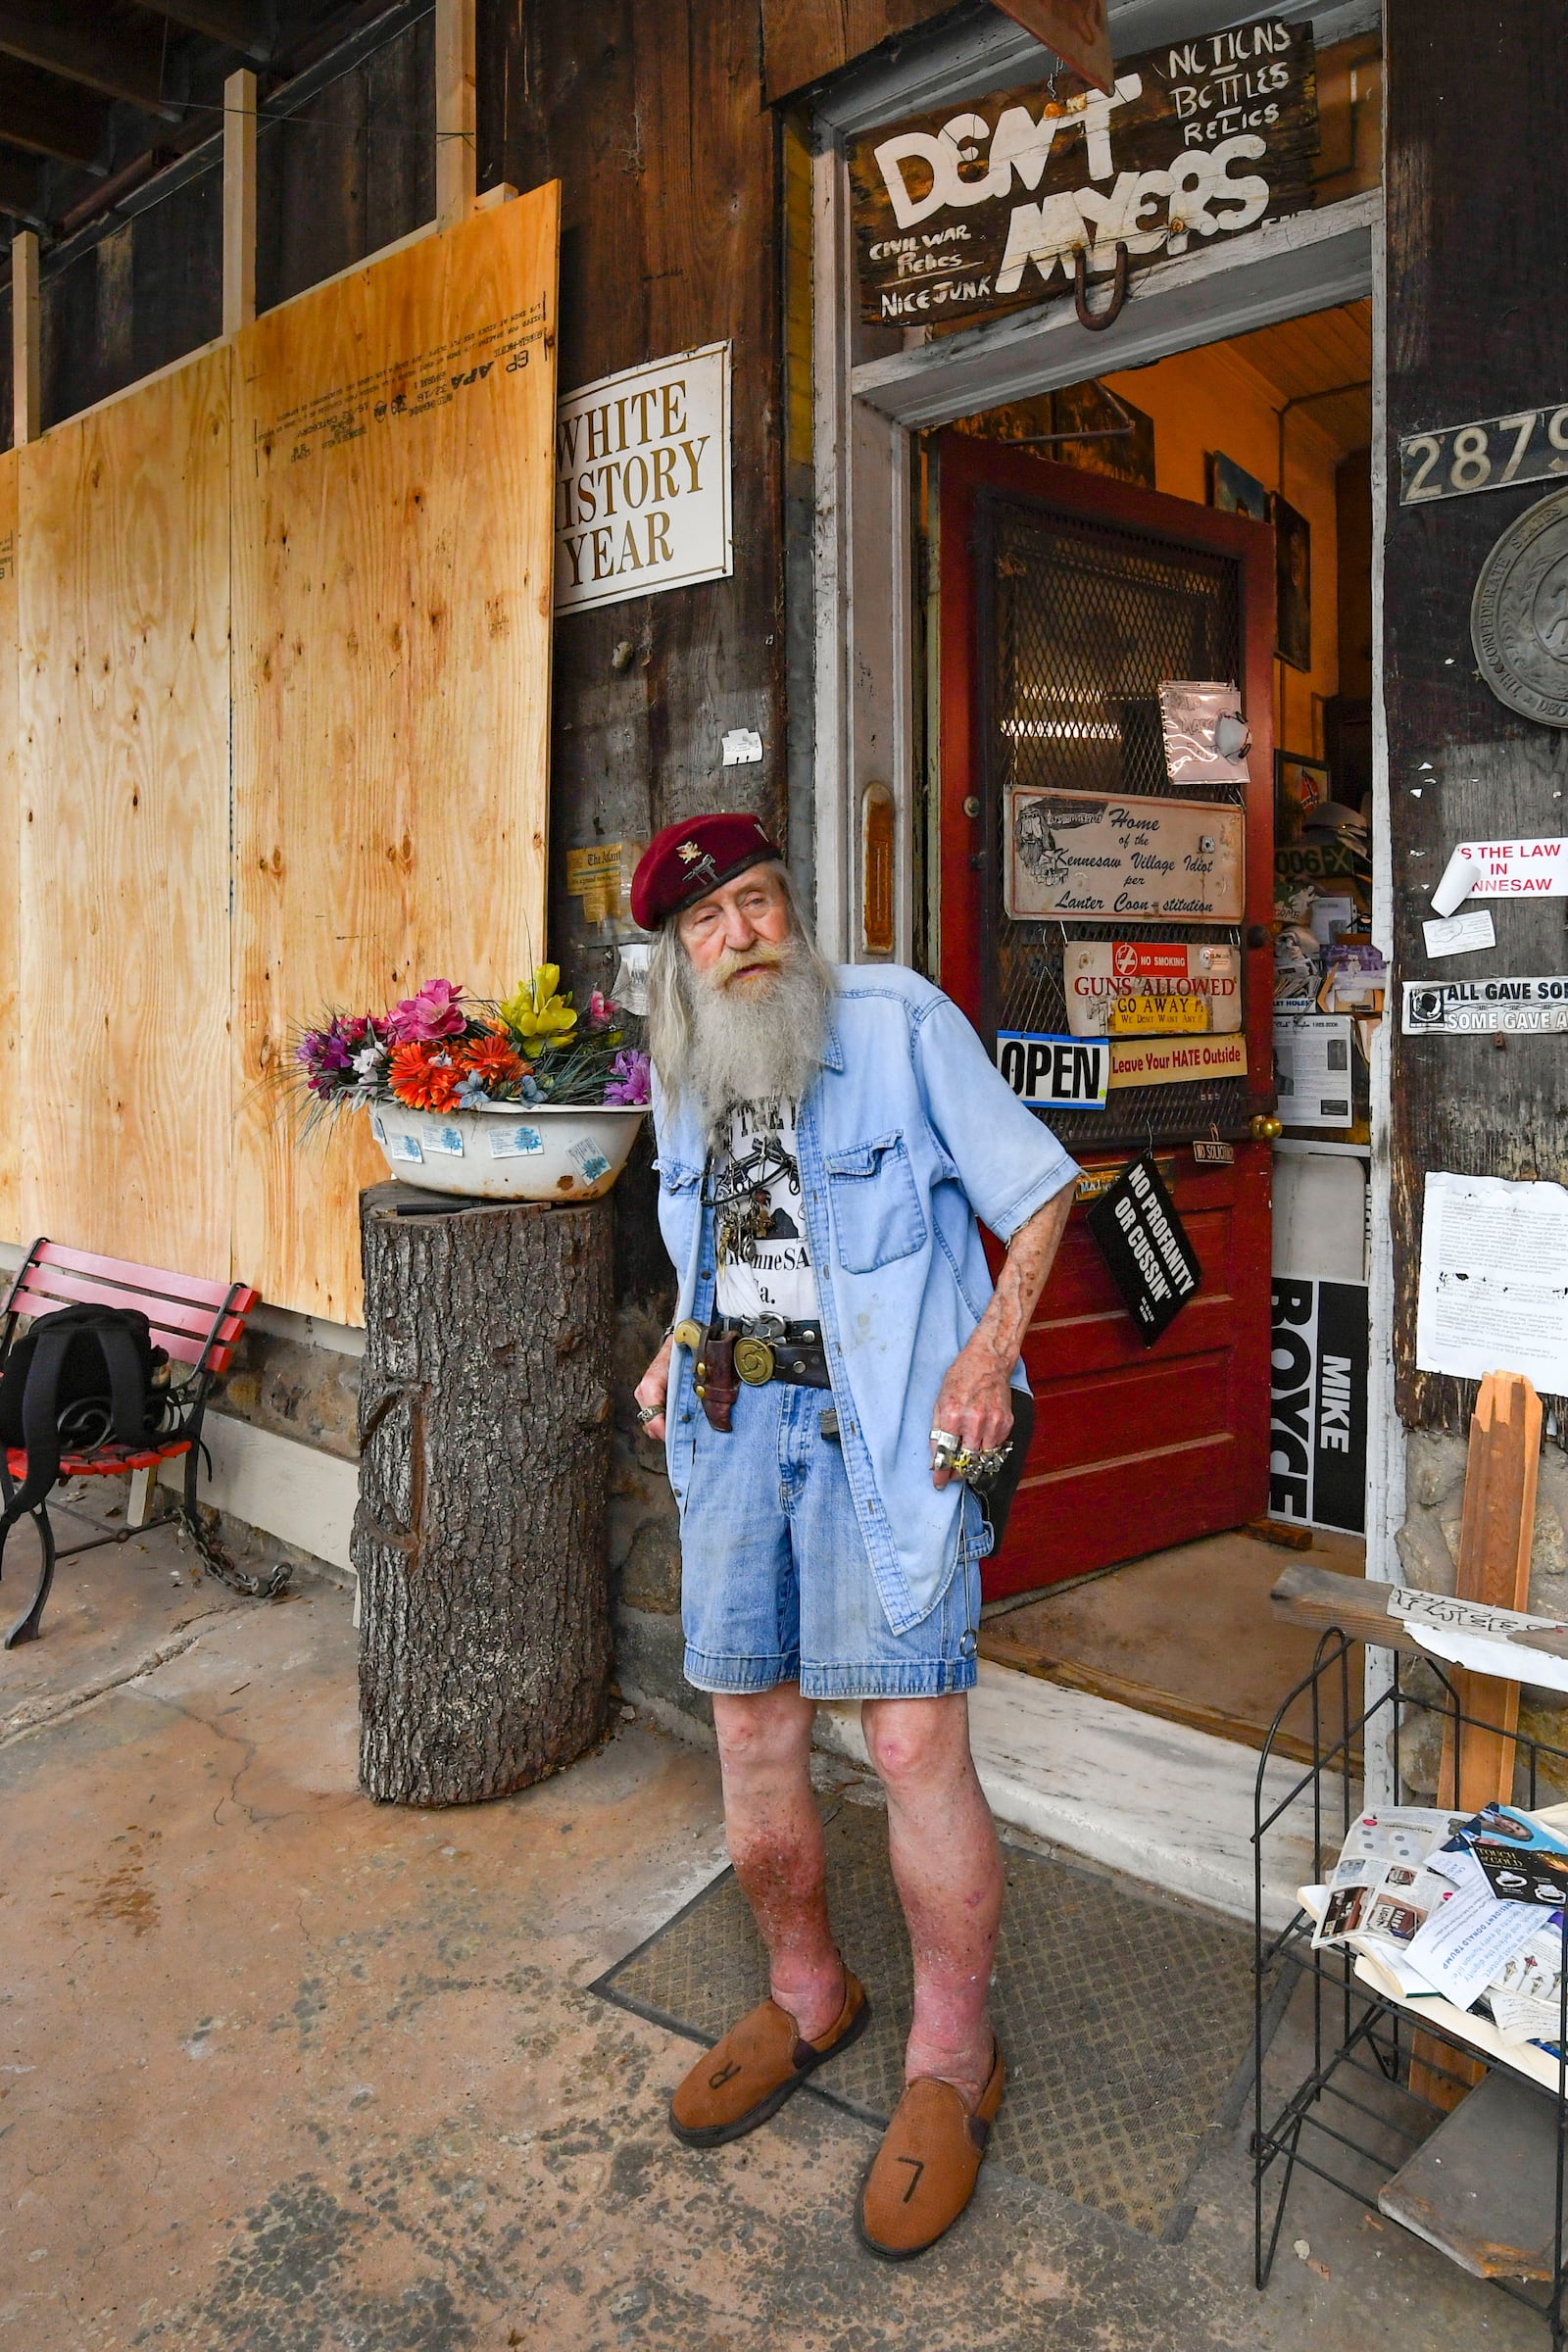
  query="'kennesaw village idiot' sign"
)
[{"x": 979, "y": 207}]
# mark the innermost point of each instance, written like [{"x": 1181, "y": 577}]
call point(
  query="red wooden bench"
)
[{"x": 198, "y": 1324}]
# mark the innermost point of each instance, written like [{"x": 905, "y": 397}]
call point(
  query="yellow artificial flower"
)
[{"x": 536, "y": 1014}]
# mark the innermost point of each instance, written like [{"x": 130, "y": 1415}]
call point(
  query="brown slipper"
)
[
  {"x": 923, "y": 2174},
  {"x": 747, "y": 2077}
]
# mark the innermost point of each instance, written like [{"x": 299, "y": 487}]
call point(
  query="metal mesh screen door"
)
[
  {"x": 1079, "y": 620},
  {"x": 1065, "y": 600}
]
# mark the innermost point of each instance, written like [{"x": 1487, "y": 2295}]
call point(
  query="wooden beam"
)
[
  {"x": 18, "y": 190},
  {"x": 239, "y": 200},
  {"x": 49, "y": 116},
  {"x": 1318, "y": 1599},
  {"x": 68, "y": 37},
  {"x": 455, "y": 112},
  {"x": 237, "y": 23},
  {"x": 26, "y": 373}
]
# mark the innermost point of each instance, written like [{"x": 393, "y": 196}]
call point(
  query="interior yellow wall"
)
[{"x": 1213, "y": 399}]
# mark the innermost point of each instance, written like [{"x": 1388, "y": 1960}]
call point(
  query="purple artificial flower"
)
[
  {"x": 436, "y": 1011},
  {"x": 630, "y": 1084}
]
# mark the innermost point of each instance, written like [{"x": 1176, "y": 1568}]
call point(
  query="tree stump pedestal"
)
[{"x": 484, "y": 1449}]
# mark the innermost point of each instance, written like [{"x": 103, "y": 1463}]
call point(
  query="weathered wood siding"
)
[{"x": 1478, "y": 218}]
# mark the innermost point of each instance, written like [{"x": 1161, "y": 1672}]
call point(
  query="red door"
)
[{"x": 1065, "y": 600}]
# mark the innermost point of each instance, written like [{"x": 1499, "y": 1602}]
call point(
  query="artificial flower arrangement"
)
[{"x": 442, "y": 1050}]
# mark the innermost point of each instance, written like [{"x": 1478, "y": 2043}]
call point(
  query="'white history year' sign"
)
[{"x": 643, "y": 480}]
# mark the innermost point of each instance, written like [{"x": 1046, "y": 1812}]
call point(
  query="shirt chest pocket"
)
[{"x": 874, "y": 1204}]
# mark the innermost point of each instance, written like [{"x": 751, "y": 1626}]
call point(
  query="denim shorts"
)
[{"x": 776, "y": 1586}]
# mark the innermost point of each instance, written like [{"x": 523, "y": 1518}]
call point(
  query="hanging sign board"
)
[
  {"x": 1484, "y": 1007},
  {"x": 1080, "y": 856},
  {"x": 1176, "y": 1061},
  {"x": 1146, "y": 1248},
  {"x": 1123, "y": 988},
  {"x": 643, "y": 480},
  {"x": 1054, "y": 1073},
  {"x": 979, "y": 207},
  {"x": 1318, "y": 1404},
  {"x": 1459, "y": 460}
]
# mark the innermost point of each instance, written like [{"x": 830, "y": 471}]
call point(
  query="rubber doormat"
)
[{"x": 1127, "y": 2023}]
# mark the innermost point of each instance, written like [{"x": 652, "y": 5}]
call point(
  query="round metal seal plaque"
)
[{"x": 1519, "y": 614}]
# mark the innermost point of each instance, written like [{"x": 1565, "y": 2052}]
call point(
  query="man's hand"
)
[
  {"x": 975, "y": 1406},
  {"x": 654, "y": 1388}
]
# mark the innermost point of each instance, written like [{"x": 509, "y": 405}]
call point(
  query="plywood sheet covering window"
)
[
  {"x": 122, "y": 623},
  {"x": 392, "y": 498},
  {"x": 10, "y": 896}
]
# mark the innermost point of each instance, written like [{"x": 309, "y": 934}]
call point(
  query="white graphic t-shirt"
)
[{"x": 764, "y": 1267}]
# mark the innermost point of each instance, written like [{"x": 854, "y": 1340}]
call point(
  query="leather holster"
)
[{"x": 718, "y": 1386}]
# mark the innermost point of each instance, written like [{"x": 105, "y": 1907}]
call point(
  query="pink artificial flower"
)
[
  {"x": 601, "y": 1011},
  {"x": 435, "y": 1012}
]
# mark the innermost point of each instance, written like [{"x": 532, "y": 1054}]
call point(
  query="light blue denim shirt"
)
[{"x": 909, "y": 1140}]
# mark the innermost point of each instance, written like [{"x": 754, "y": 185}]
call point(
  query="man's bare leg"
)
[
  {"x": 948, "y": 1869},
  {"x": 774, "y": 1832}
]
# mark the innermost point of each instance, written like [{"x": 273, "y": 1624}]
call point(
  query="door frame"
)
[{"x": 864, "y": 552}]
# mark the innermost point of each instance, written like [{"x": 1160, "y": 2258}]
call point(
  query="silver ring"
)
[
  {"x": 648, "y": 1412},
  {"x": 948, "y": 1438}
]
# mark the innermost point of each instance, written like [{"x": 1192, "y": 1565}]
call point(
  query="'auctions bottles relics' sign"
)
[{"x": 980, "y": 207}]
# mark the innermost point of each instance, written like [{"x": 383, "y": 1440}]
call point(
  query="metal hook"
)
[{"x": 1097, "y": 321}]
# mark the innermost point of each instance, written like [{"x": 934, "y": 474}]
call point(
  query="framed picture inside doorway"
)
[
  {"x": 1235, "y": 491},
  {"x": 1292, "y": 557}
]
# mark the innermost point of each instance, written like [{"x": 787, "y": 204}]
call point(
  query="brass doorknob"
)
[{"x": 1266, "y": 1128}]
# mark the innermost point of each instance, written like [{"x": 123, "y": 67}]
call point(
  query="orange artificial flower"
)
[
  {"x": 493, "y": 1060},
  {"x": 422, "y": 1077}
]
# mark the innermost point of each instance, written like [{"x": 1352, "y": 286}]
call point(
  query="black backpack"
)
[{"x": 72, "y": 1382}]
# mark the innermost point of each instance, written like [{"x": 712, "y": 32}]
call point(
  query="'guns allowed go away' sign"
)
[{"x": 980, "y": 205}]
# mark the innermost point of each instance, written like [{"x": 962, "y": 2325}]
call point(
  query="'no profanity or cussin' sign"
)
[
  {"x": 980, "y": 207},
  {"x": 643, "y": 480}
]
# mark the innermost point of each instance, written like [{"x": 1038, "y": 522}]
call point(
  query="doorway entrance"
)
[{"x": 1067, "y": 602}]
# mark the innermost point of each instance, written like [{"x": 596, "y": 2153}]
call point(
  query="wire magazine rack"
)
[{"x": 1354, "y": 2119}]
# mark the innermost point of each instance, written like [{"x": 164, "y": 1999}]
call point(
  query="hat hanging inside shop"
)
[{"x": 685, "y": 862}]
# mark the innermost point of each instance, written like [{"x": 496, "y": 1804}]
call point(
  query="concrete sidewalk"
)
[{"x": 284, "y": 2072}]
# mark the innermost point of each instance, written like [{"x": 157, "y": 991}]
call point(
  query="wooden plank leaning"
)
[{"x": 1495, "y": 1541}]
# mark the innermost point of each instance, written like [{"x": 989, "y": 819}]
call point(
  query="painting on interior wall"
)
[
  {"x": 1293, "y": 564},
  {"x": 1235, "y": 491},
  {"x": 1300, "y": 785}
]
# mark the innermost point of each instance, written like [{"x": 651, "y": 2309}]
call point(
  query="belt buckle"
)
[{"x": 754, "y": 1362}]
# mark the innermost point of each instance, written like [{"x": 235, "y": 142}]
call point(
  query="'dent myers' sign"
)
[
  {"x": 1146, "y": 1248},
  {"x": 979, "y": 207},
  {"x": 643, "y": 480}
]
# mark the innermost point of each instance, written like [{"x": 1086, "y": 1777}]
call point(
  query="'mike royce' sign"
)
[{"x": 980, "y": 207}]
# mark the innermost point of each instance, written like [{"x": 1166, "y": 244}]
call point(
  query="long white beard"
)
[{"x": 757, "y": 1040}]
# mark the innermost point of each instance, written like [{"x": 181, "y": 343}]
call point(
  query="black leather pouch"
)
[{"x": 995, "y": 1500}]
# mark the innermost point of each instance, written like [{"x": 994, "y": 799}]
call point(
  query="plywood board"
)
[
  {"x": 10, "y": 896},
  {"x": 392, "y": 497},
  {"x": 123, "y": 622}
]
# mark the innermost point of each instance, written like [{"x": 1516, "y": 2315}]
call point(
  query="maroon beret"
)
[{"x": 687, "y": 860}]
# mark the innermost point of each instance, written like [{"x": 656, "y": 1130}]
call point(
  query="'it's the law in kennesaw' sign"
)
[
  {"x": 1503, "y": 869},
  {"x": 978, "y": 208},
  {"x": 643, "y": 480},
  {"x": 1125, "y": 988}
]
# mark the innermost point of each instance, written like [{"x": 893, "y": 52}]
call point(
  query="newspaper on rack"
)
[{"x": 1438, "y": 1904}]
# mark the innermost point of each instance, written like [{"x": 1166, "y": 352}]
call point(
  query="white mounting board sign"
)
[
  {"x": 643, "y": 480},
  {"x": 1484, "y": 1007},
  {"x": 1494, "y": 1289},
  {"x": 1125, "y": 988},
  {"x": 1094, "y": 858}
]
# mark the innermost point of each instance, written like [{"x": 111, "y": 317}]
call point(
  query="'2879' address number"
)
[{"x": 1529, "y": 446}]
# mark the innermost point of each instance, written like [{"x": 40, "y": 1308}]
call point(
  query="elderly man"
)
[{"x": 827, "y": 1141}]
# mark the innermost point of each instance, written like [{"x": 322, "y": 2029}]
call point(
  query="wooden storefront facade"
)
[{"x": 699, "y": 147}]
